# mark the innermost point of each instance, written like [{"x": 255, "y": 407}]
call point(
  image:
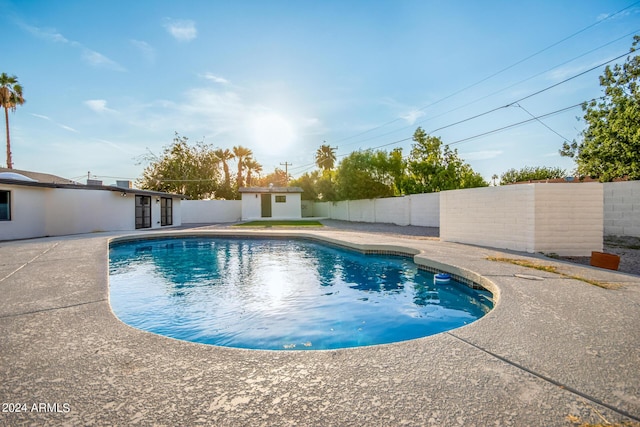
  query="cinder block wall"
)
[
  {"x": 566, "y": 219},
  {"x": 424, "y": 209},
  {"x": 393, "y": 210},
  {"x": 622, "y": 208},
  {"x": 211, "y": 211},
  {"x": 569, "y": 218},
  {"x": 500, "y": 217}
]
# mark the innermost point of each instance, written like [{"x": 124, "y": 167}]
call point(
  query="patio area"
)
[{"x": 552, "y": 352}]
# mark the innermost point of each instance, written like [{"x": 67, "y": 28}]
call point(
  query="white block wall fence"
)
[
  {"x": 211, "y": 211},
  {"x": 566, "y": 219},
  {"x": 622, "y": 208}
]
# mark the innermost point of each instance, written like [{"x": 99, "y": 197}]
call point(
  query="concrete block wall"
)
[
  {"x": 569, "y": 218},
  {"x": 622, "y": 208},
  {"x": 500, "y": 217},
  {"x": 566, "y": 219},
  {"x": 393, "y": 210},
  {"x": 211, "y": 211},
  {"x": 424, "y": 209}
]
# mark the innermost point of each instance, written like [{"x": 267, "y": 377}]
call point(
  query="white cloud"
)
[
  {"x": 181, "y": 30},
  {"x": 98, "y": 105},
  {"x": 216, "y": 79},
  {"x": 148, "y": 52},
  {"x": 49, "y": 119},
  {"x": 94, "y": 58},
  {"x": 412, "y": 116},
  {"x": 99, "y": 60}
]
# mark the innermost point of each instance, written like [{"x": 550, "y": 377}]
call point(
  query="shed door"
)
[{"x": 266, "y": 205}]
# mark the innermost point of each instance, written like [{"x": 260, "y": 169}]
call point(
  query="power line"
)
[
  {"x": 541, "y": 122},
  {"x": 497, "y": 72}
]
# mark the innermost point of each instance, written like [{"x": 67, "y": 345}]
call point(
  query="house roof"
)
[
  {"x": 45, "y": 180},
  {"x": 270, "y": 190},
  {"x": 40, "y": 177}
]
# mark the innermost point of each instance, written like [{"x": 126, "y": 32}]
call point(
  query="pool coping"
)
[{"x": 548, "y": 350}]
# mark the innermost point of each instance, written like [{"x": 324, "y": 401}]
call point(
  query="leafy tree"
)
[
  {"x": 610, "y": 146},
  {"x": 317, "y": 185},
  {"x": 433, "y": 167},
  {"x": 10, "y": 98},
  {"x": 326, "y": 157},
  {"x": 529, "y": 173},
  {"x": 278, "y": 178},
  {"x": 226, "y": 191},
  {"x": 366, "y": 175},
  {"x": 183, "y": 169},
  {"x": 252, "y": 166}
]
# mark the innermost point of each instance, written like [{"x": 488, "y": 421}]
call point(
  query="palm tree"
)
[
  {"x": 494, "y": 177},
  {"x": 252, "y": 166},
  {"x": 240, "y": 154},
  {"x": 326, "y": 157},
  {"x": 10, "y": 98},
  {"x": 224, "y": 156}
]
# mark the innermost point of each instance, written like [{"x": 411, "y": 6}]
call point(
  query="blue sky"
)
[{"x": 108, "y": 81}]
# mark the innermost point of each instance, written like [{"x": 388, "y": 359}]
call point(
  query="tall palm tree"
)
[
  {"x": 224, "y": 156},
  {"x": 10, "y": 98},
  {"x": 252, "y": 166},
  {"x": 326, "y": 157},
  {"x": 240, "y": 154}
]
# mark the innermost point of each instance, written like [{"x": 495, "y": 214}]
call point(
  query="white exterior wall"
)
[
  {"x": 252, "y": 206},
  {"x": 307, "y": 208},
  {"x": 291, "y": 209},
  {"x": 569, "y": 218},
  {"x": 425, "y": 209},
  {"x": 28, "y": 209},
  {"x": 622, "y": 208},
  {"x": 211, "y": 211},
  {"x": 72, "y": 211},
  {"x": 562, "y": 218},
  {"x": 42, "y": 211}
]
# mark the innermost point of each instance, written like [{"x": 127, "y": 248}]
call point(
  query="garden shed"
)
[{"x": 271, "y": 203}]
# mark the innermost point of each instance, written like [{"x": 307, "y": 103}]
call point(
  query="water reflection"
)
[{"x": 259, "y": 293}]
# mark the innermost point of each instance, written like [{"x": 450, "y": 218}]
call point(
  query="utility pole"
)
[{"x": 286, "y": 170}]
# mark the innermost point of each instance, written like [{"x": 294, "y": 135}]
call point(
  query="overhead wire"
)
[{"x": 598, "y": 22}]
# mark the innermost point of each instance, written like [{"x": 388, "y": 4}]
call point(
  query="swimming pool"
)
[{"x": 280, "y": 294}]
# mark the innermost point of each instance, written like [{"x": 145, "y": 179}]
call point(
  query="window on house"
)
[
  {"x": 166, "y": 211},
  {"x": 5, "y": 205},
  {"x": 281, "y": 199}
]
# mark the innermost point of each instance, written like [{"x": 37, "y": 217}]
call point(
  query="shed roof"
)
[{"x": 271, "y": 190}]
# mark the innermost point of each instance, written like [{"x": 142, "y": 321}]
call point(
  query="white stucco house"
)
[
  {"x": 271, "y": 203},
  {"x": 38, "y": 205}
]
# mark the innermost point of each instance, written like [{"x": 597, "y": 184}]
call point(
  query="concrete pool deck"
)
[{"x": 551, "y": 349}]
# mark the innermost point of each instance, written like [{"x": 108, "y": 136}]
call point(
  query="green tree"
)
[
  {"x": 241, "y": 153},
  {"x": 10, "y": 98},
  {"x": 227, "y": 191},
  {"x": 326, "y": 157},
  {"x": 277, "y": 178},
  {"x": 529, "y": 173},
  {"x": 433, "y": 166},
  {"x": 367, "y": 174},
  {"x": 610, "y": 146},
  {"x": 252, "y": 166},
  {"x": 183, "y": 169}
]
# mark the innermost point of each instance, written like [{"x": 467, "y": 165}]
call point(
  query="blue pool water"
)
[{"x": 281, "y": 294}]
